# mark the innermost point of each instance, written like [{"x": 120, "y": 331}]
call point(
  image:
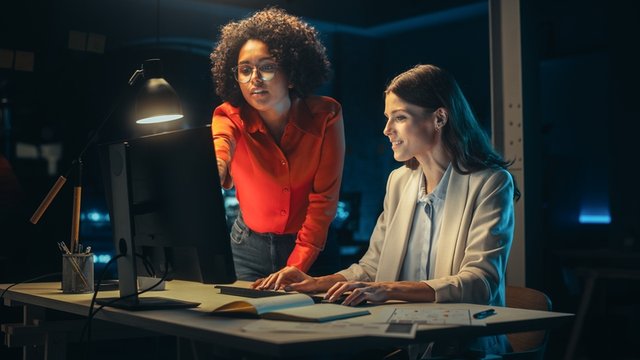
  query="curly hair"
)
[{"x": 292, "y": 42}]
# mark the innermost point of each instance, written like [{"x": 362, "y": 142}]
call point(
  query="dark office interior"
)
[{"x": 64, "y": 65}]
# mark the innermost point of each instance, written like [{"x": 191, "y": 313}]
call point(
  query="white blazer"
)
[{"x": 474, "y": 241}]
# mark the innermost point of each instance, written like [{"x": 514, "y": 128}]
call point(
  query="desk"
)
[{"x": 196, "y": 324}]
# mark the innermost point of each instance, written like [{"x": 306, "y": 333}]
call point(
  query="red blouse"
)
[{"x": 291, "y": 188}]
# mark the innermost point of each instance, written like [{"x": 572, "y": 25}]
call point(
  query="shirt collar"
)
[
  {"x": 299, "y": 116},
  {"x": 440, "y": 192},
  {"x": 251, "y": 119}
]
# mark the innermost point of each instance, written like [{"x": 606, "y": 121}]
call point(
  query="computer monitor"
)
[{"x": 166, "y": 206}]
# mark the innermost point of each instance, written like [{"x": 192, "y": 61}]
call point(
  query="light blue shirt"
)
[{"x": 420, "y": 258}]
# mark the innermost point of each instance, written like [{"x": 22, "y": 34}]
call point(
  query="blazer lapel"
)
[
  {"x": 397, "y": 234},
  {"x": 454, "y": 205}
]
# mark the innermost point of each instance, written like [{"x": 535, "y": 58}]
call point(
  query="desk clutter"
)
[
  {"x": 77, "y": 269},
  {"x": 391, "y": 324}
]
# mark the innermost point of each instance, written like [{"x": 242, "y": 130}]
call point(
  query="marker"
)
[{"x": 483, "y": 314}]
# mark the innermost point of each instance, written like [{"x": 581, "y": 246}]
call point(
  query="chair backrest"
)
[{"x": 527, "y": 298}]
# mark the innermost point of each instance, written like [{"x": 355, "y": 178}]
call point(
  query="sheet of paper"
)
[
  {"x": 434, "y": 316},
  {"x": 399, "y": 330}
]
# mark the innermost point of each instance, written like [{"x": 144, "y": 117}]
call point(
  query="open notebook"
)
[{"x": 293, "y": 307}]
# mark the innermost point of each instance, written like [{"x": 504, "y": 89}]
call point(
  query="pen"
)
[
  {"x": 483, "y": 314},
  {"x": 64, "y": 247},
  {"x": 62, "y": 250}
]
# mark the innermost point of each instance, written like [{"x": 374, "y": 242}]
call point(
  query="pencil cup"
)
[{"x": 77, "y": 273}]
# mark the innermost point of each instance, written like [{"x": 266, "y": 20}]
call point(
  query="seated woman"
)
[{"x": 447, "y": 225}]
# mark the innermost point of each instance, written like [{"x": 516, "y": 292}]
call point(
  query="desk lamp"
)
[{"x": 156, "y": 102}]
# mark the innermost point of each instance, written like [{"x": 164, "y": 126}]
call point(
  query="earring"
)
[{"x": 439, "y": 124}]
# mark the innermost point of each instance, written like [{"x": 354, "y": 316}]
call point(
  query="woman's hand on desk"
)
[
  {"x": 280, "y": 279},
  {"x": 379, "y": 292},
  {"x": 375, "y": 292},
  {"x": 291, "y": 278}
]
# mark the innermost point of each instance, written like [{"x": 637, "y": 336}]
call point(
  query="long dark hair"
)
[{"x": 431, "y": 87}]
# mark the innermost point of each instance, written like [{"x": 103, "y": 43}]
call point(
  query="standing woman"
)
[{"x": 281, "y": 147}]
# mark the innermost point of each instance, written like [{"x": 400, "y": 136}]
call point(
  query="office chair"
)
[{"x": 527, "y": 345}]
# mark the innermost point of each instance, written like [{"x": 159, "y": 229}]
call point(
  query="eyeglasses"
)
[{"x": 244, "y": 72}]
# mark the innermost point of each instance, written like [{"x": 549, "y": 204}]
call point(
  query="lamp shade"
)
[{"x": 156, "y": 100}]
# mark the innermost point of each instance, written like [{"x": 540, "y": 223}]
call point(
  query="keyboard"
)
[
  {"x": 248, "y": 292},
  {"x": 254, "y": 293}
]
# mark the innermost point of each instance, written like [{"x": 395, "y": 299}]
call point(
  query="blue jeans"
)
[{"x": 256, "y": 255}]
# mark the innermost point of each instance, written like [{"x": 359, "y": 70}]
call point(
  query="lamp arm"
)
[
  {"x": 95, "y": 134},
  {"x": 48, "y": 199},
  {"x": 75, "y": 215},
  {"x": 134, "y": 77},
  {"x": 55, "y": 189}
]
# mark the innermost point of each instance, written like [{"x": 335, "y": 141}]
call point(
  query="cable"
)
[
  {"x": 87, "y": 326},
  {"x": 147, "y": 265},
  {"x": 28, "y": 281}
]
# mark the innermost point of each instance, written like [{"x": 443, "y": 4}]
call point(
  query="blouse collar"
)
[
  {"x": 299, "y": 116},
  {"x": 439, "y": 192}
]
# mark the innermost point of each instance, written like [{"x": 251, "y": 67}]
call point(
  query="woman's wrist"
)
[
  {"x": 327, "y": 281},
  {"x": 414, "y": 291}
]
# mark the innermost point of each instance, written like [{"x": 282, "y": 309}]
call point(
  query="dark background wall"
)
[{"x": 581, "y": 121}]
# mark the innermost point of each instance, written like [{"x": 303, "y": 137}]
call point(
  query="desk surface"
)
[{"x": 197, "y": 324}]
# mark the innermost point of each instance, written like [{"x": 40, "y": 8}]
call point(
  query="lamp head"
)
[{"x": 156, "y": 100}]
